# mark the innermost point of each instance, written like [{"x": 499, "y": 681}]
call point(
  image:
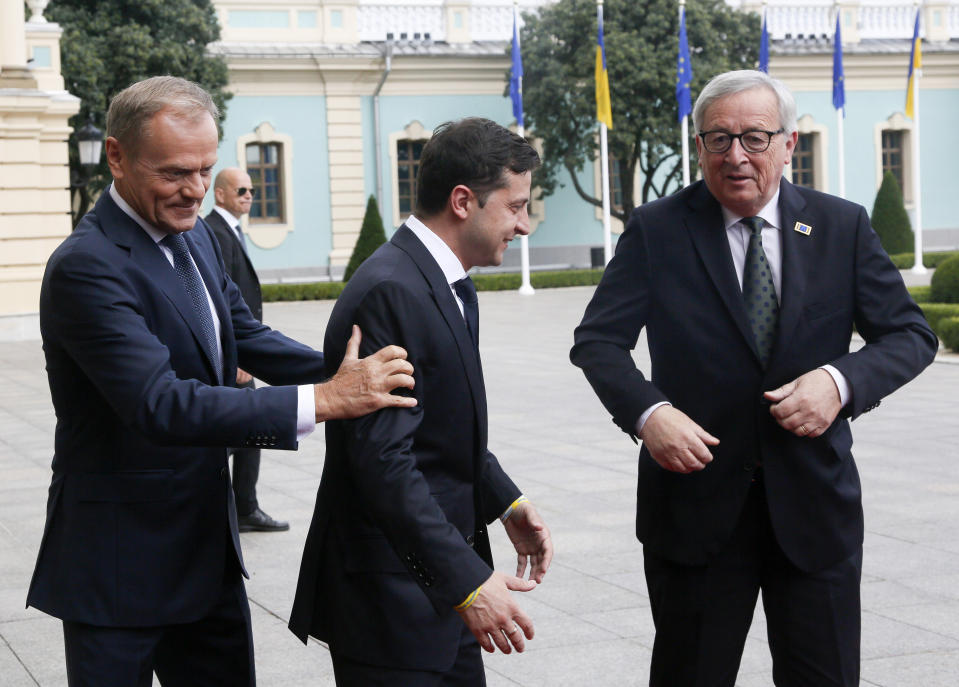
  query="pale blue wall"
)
[{"x": 303, "y": 118}]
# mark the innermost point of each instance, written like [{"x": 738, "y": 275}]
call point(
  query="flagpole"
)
[
  {"x": 604, "y": 172},
  {"x": 840, "y": 111},
  {"x": 526, "y": 287},
  {"x": 917, "y": 267},
  {"x": 684, "y": 130}
]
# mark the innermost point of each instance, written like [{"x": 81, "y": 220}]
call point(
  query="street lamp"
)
[{"x": 89, "y": 145}]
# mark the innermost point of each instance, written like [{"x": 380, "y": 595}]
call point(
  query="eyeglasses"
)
[
  {"x": 752, "y": 141},
  {"x": 243, "y": 190}
]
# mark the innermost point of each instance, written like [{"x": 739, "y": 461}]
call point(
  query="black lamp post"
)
[{"x": 89, "y": 145}]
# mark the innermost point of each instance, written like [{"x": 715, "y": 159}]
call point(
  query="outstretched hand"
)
[
  {"x": 363, "y": 385},
  {"x": 495, "y": 618},
  {"x": 531, "y": 539}
]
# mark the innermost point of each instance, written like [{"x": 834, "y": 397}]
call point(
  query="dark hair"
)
[{"x": 475, "y": 152}]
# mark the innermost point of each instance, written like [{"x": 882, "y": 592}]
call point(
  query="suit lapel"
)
[
  {"x": 204, "y": 262},
  {"x": 705, "y": 226},
  {"x": 796, "y": 258},
  {"x": 406, "y": 240},
  {"x": 124, "y": 231}
]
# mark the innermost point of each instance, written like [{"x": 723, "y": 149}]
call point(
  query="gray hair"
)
[
  {"x": 132, "y": 108},
  {"x": 731, "y": 83}
]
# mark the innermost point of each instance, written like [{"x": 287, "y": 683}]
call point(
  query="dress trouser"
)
[
  {"x": 702, "y": 613},
  {"x": 467, "y": 671},
  {"x": 214, "y": 651},
  {"x": 246, "y": 471}
]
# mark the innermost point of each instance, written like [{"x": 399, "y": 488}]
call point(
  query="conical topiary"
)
[
  {"x": 889, "y": 218},
  {"x": 371, "y": 237}
]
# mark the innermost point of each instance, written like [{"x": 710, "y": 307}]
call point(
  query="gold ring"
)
[{"x": 804, "y": 430}]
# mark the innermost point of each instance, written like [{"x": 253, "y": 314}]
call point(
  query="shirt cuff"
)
[
  {"x": 305, "y": 411},
  {"x": 842, "y": 384},
  {"x": 645, "y": 416}
]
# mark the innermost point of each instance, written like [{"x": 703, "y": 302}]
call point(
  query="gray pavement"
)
[{"x": 555, "y": 439}]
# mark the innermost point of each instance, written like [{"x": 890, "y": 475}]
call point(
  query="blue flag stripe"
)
[
  {"x": 838, "y": 76},
  {"x": 516, "y": 74},
  {"x": 684, "y": 71}
]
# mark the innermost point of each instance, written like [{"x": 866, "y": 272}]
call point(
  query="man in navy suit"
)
[
  {"x": 233, "y": 190},
  {"x": 143, "y": 332},
  {"x": 397, "y": 574},
  {"x": 749, "y": 289}
]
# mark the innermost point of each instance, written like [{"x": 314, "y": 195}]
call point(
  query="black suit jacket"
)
[
  {"x": 140, "y": 517},
  {"x": 399, "y": 532},
  {"x": 673, "y": 274},
  {"x": 237, "y": 263}
]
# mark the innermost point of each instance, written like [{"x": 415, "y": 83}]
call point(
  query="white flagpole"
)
[
  {"x": 526, "y": 287},
  {"x": 685, "y": 124},
  {"x": 842, "y": 150},
  {"x": 918, "y": 267}
]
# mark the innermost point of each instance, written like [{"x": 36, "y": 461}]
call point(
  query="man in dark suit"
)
[
  {"x": 140, "y": 555},
  {"x": 233, "y": 191},
  {"x": 749, "y": 289},
  {"x": 397, "y": 575}
]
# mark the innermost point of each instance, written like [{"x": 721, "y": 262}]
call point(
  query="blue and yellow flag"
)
[
  {"x": 915, "y": 62},
  {"x": 604, "y": 110},
  {"x": 516, "y": 76},
  {"x": 838, "y": 76},
  {"x": 764, "y": 47},
  {"x": 684, "y": 71}
]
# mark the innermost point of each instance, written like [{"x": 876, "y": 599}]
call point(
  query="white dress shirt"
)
[
  {"x": 737, "y": 233},
  {"x": 445, "y": 257},
  {"x": 306, "y": 405},
  {"x": 231, "y": 221}
]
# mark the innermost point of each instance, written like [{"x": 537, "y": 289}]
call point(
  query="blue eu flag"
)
[
  {"x": 838, "y": 78},
  {"x": 516, "y": 76},
  {"x": 764, "y": 48},
  {"x": 684, "y": 71}
]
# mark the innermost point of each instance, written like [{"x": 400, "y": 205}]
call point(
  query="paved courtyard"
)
[{"x": 555, "y": 439}]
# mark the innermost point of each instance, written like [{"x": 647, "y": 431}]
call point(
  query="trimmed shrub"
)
[
  {"x": 920, "y": 294},
  {"x": 316, "y": 291},
  {"x": 889, "y": 217},
  {"x": 949, "y": 332},
  {"x": 936, "y": 312},
  {"x": 945, "y": 282},
  {"x": 371, "y": 237},
  {"x": 904, "y": 261}
]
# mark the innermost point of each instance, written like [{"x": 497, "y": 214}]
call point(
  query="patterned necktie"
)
[
  {"x": 759, "y": 294},
  {"x": 238, "y": 230},
  {"x": 194, "y": 287},
  {"x": 467, "y": 293}
]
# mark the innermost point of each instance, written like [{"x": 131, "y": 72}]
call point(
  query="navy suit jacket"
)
[
  {"x": 673, "y": 275},
  {"x": 237, "y": 263},
  {"x": 140, "y": 517},
  {"x": 399, "y": 532}
]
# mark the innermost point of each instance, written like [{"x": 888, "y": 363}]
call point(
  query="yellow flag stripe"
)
[{"x": 604, "y": 109}]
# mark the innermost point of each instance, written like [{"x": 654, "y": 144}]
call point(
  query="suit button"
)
[
  {"x": 748, "y": 466},
  {"x": 470, "y": 540}
]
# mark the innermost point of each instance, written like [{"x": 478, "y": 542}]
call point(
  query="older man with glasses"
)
[
  {"x": 749, "y": 289},
  {"x": 234, "y": 191}
]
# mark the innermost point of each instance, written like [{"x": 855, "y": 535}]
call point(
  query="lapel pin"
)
[{"x": 803, "y": 229}]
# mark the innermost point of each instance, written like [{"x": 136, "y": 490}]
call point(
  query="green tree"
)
[
  {"x": 642, "y": 41},
  {"x": 109, "y": 44},
  {"x": 889, "y": 218},
  {"x": 371, "y": 237}
]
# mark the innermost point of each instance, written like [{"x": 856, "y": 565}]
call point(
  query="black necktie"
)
[
  {"x": 759, "y": 294},
  {"x": 190, "y": 277},
  {"x": 467, "y": 293}
]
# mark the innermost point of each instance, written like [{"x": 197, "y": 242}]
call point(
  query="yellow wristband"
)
[
  {"x": 509, "y": 511},
  {"x": 468, "y": 601}
]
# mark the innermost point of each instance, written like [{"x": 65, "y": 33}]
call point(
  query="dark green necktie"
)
[{"x": 759, "y": 294}]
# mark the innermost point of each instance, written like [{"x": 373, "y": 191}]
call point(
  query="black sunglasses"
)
[{"x": 243, "y": 190}]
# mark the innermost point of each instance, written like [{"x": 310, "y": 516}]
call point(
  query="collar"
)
[
  {"x": 231, "y": 221},
  {"x": 445, "y": 257},
  {"x": 770, "y": 213},
  {"x": 156, "y": 234}
]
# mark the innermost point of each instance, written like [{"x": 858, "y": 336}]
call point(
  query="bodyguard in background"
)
[
  {"x": 233, "y": 191},
  {"x": 749, "y": 289}
]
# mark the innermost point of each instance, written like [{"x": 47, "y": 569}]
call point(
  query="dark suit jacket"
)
[
  {"x": 399, "y": 532},
  {"x": 140, "y": 516},
  {"x": 237, "y": 263},
  {"x": 673, "y": 274}
]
